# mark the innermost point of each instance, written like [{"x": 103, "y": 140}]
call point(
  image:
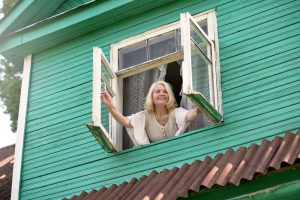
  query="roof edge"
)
[
  {"x": 19, "y": 10},
  {"x": 56, "y": 23},
  {"x": 21, "y": 42}
]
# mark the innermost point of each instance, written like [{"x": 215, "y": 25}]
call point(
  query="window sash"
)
[
  {"x": 149, "y": 64},
  {"x": 97, "y": 128},
  {"x": 207, "y": 105}
]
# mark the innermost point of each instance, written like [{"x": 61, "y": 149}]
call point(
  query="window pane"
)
[
  {"x": 200, "y": 72},
  {"x": 203, "y": 25},
  {"x": 200, "y": 41},
  {"x": 104, "y": 116},
  {"x": 132, "y": 55},
  {"x": 104, "y": 72},
  {"x": 104, "y": 85},
  {"x": 178, "y": 40},
  {"x": 162, "y": 45}
]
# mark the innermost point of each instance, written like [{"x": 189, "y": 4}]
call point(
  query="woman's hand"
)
[
  {"x": 192, "y": 114},
  {"x": 106, "y": 98},
  {"x": 124, "y": 121}
]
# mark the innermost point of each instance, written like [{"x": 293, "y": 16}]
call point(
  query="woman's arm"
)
[
  {"x": 119, "y": 117},
  {"x": 192, "y": 114}
]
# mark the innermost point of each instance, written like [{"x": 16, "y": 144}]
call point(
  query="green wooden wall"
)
[{"x": 259, "y": 54}]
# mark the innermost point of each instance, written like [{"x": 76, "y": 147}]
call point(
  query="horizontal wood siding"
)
[{"x": 259, "y": 55}]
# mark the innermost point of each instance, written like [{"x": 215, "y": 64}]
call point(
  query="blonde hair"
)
[{"x": 149, "y": 101}]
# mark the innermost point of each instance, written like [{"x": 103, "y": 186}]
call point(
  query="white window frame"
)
[
  {"x": 103, "y": 136},
  {"x": 117, "y": 81},
  {"x": 210, "y": 110}
]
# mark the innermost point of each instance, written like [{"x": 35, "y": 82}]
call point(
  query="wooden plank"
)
[
  {"x": 263, "y": 24},
  {"x": 16, "y": 179},
  {"x": 262, "y": 85},
  {"x": 57, "y": 129},
  {"x": 58, "y": 118},
  {"x": 267, "y": 62},
  {"x": 261, "y": 41},
  {"x": 241, "y": 18},
  {"x": 60, "y": 97},
  {"x": 107, "y": 174},
  {"x": 62, "y": 86},
  {"x": 260, "y": 74},
  {"x": 292, "y": 99},
  {"x": 261, "y": 97},
  {"x": 59, "y": 107}
]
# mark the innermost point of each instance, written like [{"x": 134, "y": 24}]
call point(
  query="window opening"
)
[{"x": 181, "y": 54}]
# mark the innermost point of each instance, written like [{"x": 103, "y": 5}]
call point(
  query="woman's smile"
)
[{"x": 160, "y": 95}]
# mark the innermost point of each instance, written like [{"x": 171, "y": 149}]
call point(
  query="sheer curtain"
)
[{"x": 135, "y": 89}]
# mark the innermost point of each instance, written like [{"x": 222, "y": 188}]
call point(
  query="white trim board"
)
[{"x": 21, "y": 128}]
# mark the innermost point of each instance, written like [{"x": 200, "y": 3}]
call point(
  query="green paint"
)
[
  {"x": 16, "y": 13},
  {"x": 260, "y": 84}
]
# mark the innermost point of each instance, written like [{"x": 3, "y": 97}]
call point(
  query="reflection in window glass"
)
[
  {"x": 104, "y": 116},
  {"x": 162, "y": 45},
  {"x": 104, "y": 72},
  {"x": 199, "y": 40},
  {"x": 200, "y": 73},
  {"x": 132, "y": 55},
  {"x": 203, "y": 25}
]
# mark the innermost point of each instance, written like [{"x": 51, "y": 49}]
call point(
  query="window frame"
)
[
  {"x": 104, "y": 137},
  {"x": 208, "y": 106},
  {"x": 117, "y": 83}
]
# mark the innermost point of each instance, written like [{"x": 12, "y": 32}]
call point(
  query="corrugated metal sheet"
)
[
  {"x": 228, "y": 168},
  {"x": 6, "y": 170}
]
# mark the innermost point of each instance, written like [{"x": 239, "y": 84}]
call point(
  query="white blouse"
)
[{"x": 138, "y": 133}]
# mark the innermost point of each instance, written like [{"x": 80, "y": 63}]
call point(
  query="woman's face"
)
[{"x": 160, "y": 95}]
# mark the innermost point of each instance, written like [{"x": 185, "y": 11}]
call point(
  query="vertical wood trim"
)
[
  {"x": 96, "y": 105},
  {"x": 217, "y": 63},
  {"x": 187, "y": 84},
  {"x": 21, "y": 128},
  {"x": 117, "y": 85}
]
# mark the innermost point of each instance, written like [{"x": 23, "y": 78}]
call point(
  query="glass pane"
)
[
  {"x": 162, "y": 45},
  {"x": 105, "y": 73},
  {"x": 132, "y": 55},
  {"x": 203, "y": 25},
  {"x": 104, "y": 116},
  {"x": 178, "y": 40},
  {"x": 200, "y": 41},
  {"x": 200, "y": 72}
]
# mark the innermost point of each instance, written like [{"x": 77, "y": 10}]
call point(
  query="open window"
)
[
  {"x": 198, "y": 68},
  {"x": 102, "y": 77},
  {"x": 184, "y": 53}
]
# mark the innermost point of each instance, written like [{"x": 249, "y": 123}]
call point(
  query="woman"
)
[{"x": 160, "y": 119}]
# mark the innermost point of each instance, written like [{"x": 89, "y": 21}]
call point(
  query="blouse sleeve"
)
[
  {"x": 180, "y": 117},
  {"x": 138, "y": 134}
]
